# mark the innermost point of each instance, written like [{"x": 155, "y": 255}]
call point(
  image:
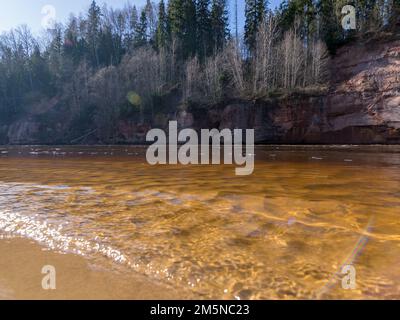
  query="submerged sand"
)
[
  {"x": 137, "y": 230},
  {"x": 76, "y": 278}
]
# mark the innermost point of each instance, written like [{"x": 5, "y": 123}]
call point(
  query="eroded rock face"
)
[{"x": 364, "y": 102}]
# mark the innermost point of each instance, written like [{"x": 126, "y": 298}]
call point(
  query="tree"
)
[
  {"x": 190, "y": 28},
  {"x": 141, "y": 30},
  {"x": 152, "y": 23},
  {"x": 133, "y": 21},
  {"x": 73, "y": 48},
  {"x": 303, "y": 13},
  {"x": 93, "y": 32},
  {"x": 329, "y": 28},
  {"x": 204, "y": 29},
  {"x": 291, "y": 50},
  {"x": 254, "y": 13},
  {"x": 182, "y": 20},
  {"x": 219, "y": 23},
  {"x": 162, "y": 36},
  {"x": 264, "y": 58}
]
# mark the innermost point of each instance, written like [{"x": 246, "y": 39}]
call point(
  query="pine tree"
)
[
  {"x": 141, "y": 30},
  {"x": 162, "y": 35},
  {"x": 55, "y": 56},
  {"x": 176, "y": 16},
  {"x": 204, "y": 29},
  {"x": 40, "y": 72},
  {"x": 308, "y": 22},
  {"x": 93, "y": 32},
  {"x": 71, "y": 43},
  {"x": 134, "y": 20},
  {"x": 189, "y": 39},
  {"x": 151, "y": 17},
  {"x": 254, "y": 13},
  {"x": 132, "y": 23},
  {"x": 182, "y": 20},
  {"x": 329, "y": 26},
  {"x": 303, "y": 15},
  {"x": 219, "y": 23}
]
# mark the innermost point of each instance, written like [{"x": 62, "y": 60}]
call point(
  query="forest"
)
[{"x": 108, "y": 64}]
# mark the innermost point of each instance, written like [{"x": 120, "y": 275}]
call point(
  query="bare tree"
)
[
  {"x": 192, "y": 79},
  {"x": 292, "y": 54},
  {"x": 263, "y": 63},
  {"x": 235, "y": 65},
  {"x": 319, "y": 59}
]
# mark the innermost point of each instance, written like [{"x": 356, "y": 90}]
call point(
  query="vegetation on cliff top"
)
[{"x": 110, "y": 64}]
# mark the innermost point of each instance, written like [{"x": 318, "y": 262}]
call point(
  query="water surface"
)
[{"x": 282, "y": 233}]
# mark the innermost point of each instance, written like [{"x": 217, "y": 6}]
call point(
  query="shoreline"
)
[{"x": 76, "y": 278}]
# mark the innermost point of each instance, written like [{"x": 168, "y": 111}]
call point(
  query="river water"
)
[{"x": 285, "y": 232}]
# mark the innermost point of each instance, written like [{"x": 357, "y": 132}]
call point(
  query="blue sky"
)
[{"x": 17, "y": 12}]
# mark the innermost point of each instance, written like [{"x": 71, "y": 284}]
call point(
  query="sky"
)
[{"x": 17, "y": 12}]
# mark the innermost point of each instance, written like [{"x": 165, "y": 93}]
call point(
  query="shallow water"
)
[{"x": 282, "y": 233}]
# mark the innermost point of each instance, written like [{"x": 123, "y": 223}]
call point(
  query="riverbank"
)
[
  {"x": 76, "y": 278},
  {"x": 359, "y": 106}
]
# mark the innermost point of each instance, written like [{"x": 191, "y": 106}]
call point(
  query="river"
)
[{"x": 284, "y": 232}]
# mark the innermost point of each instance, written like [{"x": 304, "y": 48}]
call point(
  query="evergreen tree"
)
[
  {"x": 204, "y": 28},
  {"x": 329, "y": 27},
  {"x": 55, "y": 56},
  {"x": 182, "y": 20},
  {"x": 134, "y": 19},
  {"x": 72, "y": 50},
  {"x": 141, "y": 30},
  {"x": 308, "y": 26},
  {"x": 302, "y": 15},
  {"x": 190, "y": 28},
  {"x": 162, "y": 36},
  {"x": 176, "y": 16},
  {"x": 93, "y": 32},
  {"x": 132, "y": 22},
  {"x": 40, "y": 72},
  {"x": 151, "y": 22},
  {"x": 219, "y": 23},
  {"x": 254, "y": 13}
]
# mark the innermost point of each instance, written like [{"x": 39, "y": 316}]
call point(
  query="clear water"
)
[{"x": 282, "y": 233}]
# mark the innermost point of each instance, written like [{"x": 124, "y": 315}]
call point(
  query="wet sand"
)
[{"x": 76, "y": 278}]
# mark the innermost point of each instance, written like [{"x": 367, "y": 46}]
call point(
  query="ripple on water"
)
[{"x": 280, "y": 233}]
